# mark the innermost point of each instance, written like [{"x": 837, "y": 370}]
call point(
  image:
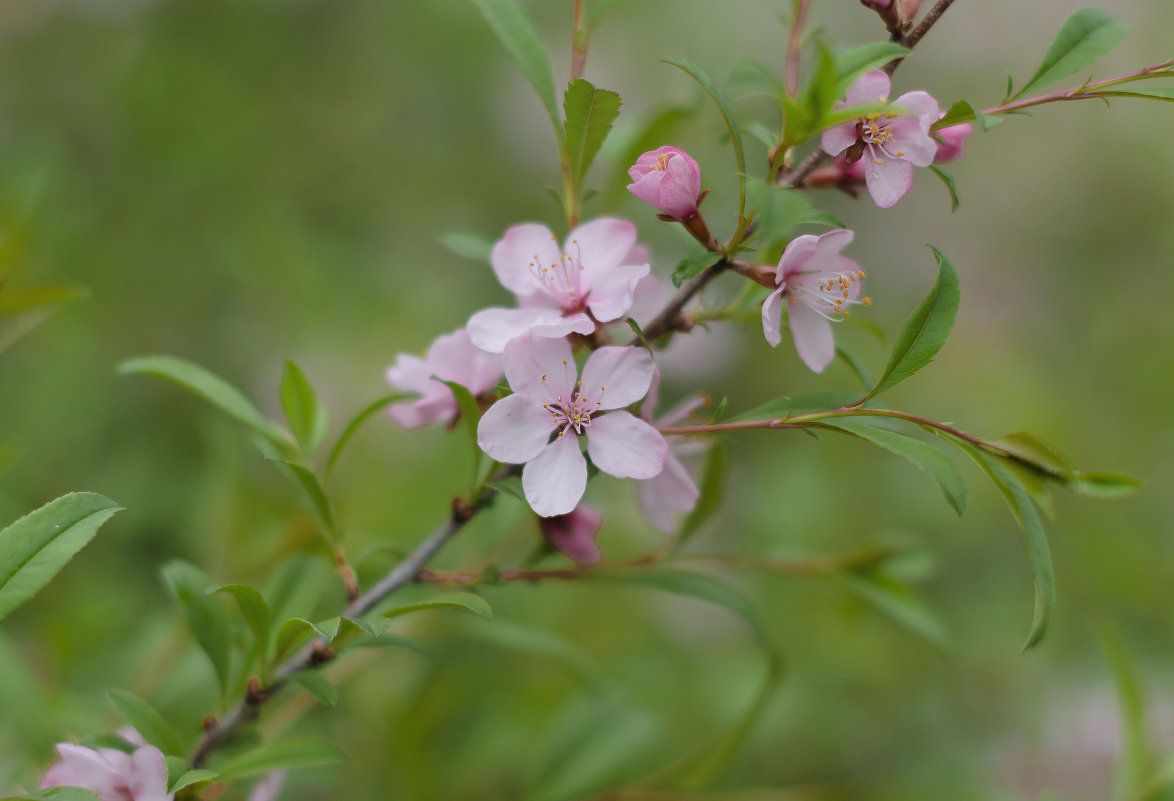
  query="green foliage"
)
[
  {"x": 896, "y": 601},
  {"x": 590, "y": 113},
  {"x": 712, "y": 489},
  {"x": 1142, "y": 92},
  {"x": 21, "y": 310},
  {"x": 146, "y": 721},
  {"x": 788, "y": 406},
  {"x": 282, "y": 754},
  {"x": 317, "y": 685},
  {"x": 470, "y": 417},
  {"x": 308, "y": 418},
  {"x": 851, "y": 64},
  {"x": 779, "y": 212},
  {"x": 205, "y": 615},
  {"x": 693, "y": 266},
  {"x": 951, "y": 187},
  {"x": 35, "y": 548},
  {"x": 963, "y": 111},
  {"x": 1084, "y": 38},
  {"x": 470, "y": 246},
  {"x": 752, "y": 78},
  {"x": 466, "y": 601},
  {"x": 926, "y": 330},
  {"x": 189, "y": 778},
  {"x": 57, "y": 794},
  {"x": 306, "y": 482},
  {"x": 255, "y": 612}
]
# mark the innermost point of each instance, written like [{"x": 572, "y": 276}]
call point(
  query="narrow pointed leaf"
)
[
  {"x": 282, "y": 754},
  {"x": 712, "y": 489},
  {"x": 255, "y": 612},
  {"x": 146, "y": 721},
  {"x": 951, "y": 187},
  {"x": 693, "y": 585},
  {"x": 466, "y": 601},
  {"x": 521, "y": 40},
  {"x": 306, "y": 482},
  {"x": 316, "y": 685},
  {"x": 191, "y": 777},
  {"x": 851, "y": 64},
  {"x": 1084, "y": 37},
  {"x": 897, "y": 602},
  {"x": 205, "y": 615},
  {"x": 353, "y": 426},
  {"x": 693, "y": 266},
  {"x": 307, "y": 417}
]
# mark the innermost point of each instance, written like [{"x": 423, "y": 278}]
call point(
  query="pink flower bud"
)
[
  {"x": 669, "y": 179},
  {"x": 953, "y": 144},
  {"x": 573, "y": 534},
  {"x": 909, "y": 8},
  {"x": 879, "y": 5}
]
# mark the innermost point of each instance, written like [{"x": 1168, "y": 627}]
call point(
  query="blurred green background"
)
[{"x": 243, "y": 181}]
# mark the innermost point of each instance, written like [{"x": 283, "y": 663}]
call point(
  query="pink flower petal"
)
[
  {"x": 889, "y": 181},
  {"x": 82, "y": 767},
  {"x": 625, "y": 446},
  {"x": 871, "y": 87},
  {"x": 577, "y": 323},
  {"x": 554, "y": 481},
  {"x": 514, "y": 252},
  {"x": 812, "y": 335},
  {"x": 672, "y": 490},
  {"x": 836, "y": 140},
  {"x": 515, "y": 429},
  {"x": 830, "y": 244},
  {"x": 953, "y": 144},
  {"x": 454, "y": 357},
  {"x": 147, "y": 780},
  {"x": 921, "y": 106},
  {"x": 599, "y": 247},
  {"x": 796, "y": 255},
  {"x": 772, "y": 317},
  {"x": 543, "y": 369},
  {"x": 616, "y": 377},
  {"x": 611, "y": 297},
  {"x": 913, "y": 142},
  {"x": 438, "y": 408},
  {"x": 573, "y": 534},
  {"x": 490, "y": 329}
]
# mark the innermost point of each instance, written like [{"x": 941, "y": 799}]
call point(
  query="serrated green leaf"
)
[
  {"x": 255, "y": 612},
  {"x": 282, "y": 754},
  {"x": 694, "y": 266},
  {"x": 466, "y": 601},
  {"x": 926, "y": 330},
  {"x": 292, "y": 631},
  {"x": 470, "y": 246},
  {"x": 146, "y": 721},
  {"x": 190, "y": 778},
  {"x": 897, "y": 602},
  {"x": 205, "y": 615},
  {"x": 590, "y": 113},
  {"x": 317, "y": 685},
  {"x": 1083, "y": 38},
  {"x": 951, "y": 187},
  {"x": 356, "y": 422},
  {"x": 214, "y": 390},
  {"x": 712, "y": 488},
  {"x": 925, "y": 458},
  {"x": 788, "y": 406},
  {"x": 308, "y": 418},
  {"x": 35, "y": 548},
  {"x": 851, "y": 64}
]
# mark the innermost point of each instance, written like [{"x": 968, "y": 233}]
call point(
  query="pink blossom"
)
[
  {"x": 111, "y": 774},
  {"x": 573, "y": 534},
  {"x": 451, "y": 357},
  {"x": 563, "y": 291},
  {"x": 953, "y": 144},
  {"x": 817, "y": 283},
  {"x": 548, "y": 399},
  {"x": 669, "y": 179},
  {"x": 673, "y": 489},
  {"x": 889, "y": 145}
]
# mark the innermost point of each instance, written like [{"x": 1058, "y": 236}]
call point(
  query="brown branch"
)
[{"x": 791, "y": 68}]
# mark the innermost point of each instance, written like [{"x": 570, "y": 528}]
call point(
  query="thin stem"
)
[
  {"x": 1086, "y": 91},
  {"x": 578, "y": 43},
  {"x": 791, "y": 65}
]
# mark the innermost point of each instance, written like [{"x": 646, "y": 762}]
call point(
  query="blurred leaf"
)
[
  {"x": 255, "y": 612},
  {"x": 694, "y": 266},
  {"x": 951, "y": 187},
  {"x": 294, "y": 630},
  {"x": 808, "y": 115},
  {"x": 317, "y": 685},
  {"x": 925, "y": 458},
  {"x": 511, "y": 485},
  {"x": 1025, "y": 448},
  {"x": 297, "y": 585},
  {"x": 146, "y": 721},
  {"x": 463, "y": 600},
  {"x": 473, "y": 247},
  {"x": 962, "y": 111},
  {"x": 1141, "y": 92},
  {"x": 788, "y": 406},
  {"x": 9, "y": 453},
  {"x": 1083, "y": 38},
  {"x": 691, "y": 585},
  {"x": 521, "y": 39},
  {"x": 470, "y": 417},
  {"x": 712, "y": 489},
  {"x": 1134, "y": 764},
  {"x": 751, "y": 78},
  {"x": 57, "y": 794},
  {"x": 590, "y": 113},
  {"x": 22, "y": 310},
  {"x": 1035, "y": 540},
  {"x": 213, "y": 389},
  {"x": 765, "y": 135},
  {"x": 780, "y": 211},
  {"x": 595, "y": 12},
  {"x": 851, "y": 64},
  {"x": 308, "y": 418},
  {"x": 898, "y": 602},
  {"x": 35, "y": 548},
  {"x": 356, "y": 422},
  {"x": 926, "y": 331},
  {"x": 205, "y": 615},
  {"x": 306, "y": 482},
  {"x": 190, "y": 778},
  {"x": 1103, "y": 485},
  {"x": 854, "y": 364},
  {"x": 518, "y": 636},
  {"x": 289, "y": 753}
]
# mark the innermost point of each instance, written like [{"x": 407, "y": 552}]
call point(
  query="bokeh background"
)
[{"x": 243, "y": 181}]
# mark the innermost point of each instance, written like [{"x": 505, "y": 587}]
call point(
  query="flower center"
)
[
  {"x": 561, "y": 280},
  {"x": 829, "y": 294},
  {"x": 662, "y": 162},
  {"x": 876, "y": 133},
  {"x": 576, "y": 411}
]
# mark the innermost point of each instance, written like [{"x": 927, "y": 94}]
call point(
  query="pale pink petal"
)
[
  {"x": 651, "y": 293},
  {"x": 490, "y": 329},
  {"x": 555, "y": 480},
  {"x": 812, "y": 335},
  {"x": 871, "y": 87},
  {"x": 147, "y": 780},
  {"x": 796, "y": 255},
  {"x": 454, "y": 357},
  {"x": 82, "y": 767},
  {"x": 837, "y": 140},
  {"x": 682, "y": 410},
  {"x": 515, "y": 252},
  {"x": 612, "y": 295},
  {"x": 573, "y": 534},
  {"x": 678, "y": 194},
  {"x": 829, "y": 246},
  {"x": 411, "y": 374},
  {"x": 615, "y": 376},
  {"x": 953, "y": 144},
  {"x": 438, "y": 408},
  {"x": 515, "y": 429},
  {"x": 913, "y": 142},
  {"x": 889, "y": 181},
  {"x": 673, "y": 490},
  {"x": 920, "y": 105},
  {"x": 269, "y": 788},
  {"x": 652, "y": 397},
  {"x": 577, "y": 323},
  {"x": 599, "y": 247},
  {"x": 625, "y": 446},
  {"x": 541, "y": 368},
  {"x": 772, "y": 317}
]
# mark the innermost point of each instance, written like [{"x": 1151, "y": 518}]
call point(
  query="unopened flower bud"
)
[
  {"x": 573, "y": 534},
  {"x": 669, "y": 179},
  {"x": 877, "y": 5},
  {"x": 908, "y": 9},
  {"x": 953, "y": 144}
]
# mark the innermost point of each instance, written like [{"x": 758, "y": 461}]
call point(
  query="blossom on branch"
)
[
  {"x": 953, "y": 142},
  {"x": 669, "y": 179},
  {"x": 890, "y": 145},
  {"x": 111, "y": 774},
  {"x": 673, "y": 489},
  {"x": 559, "y": 291},
  {"x": 817, "y": 283},
  {"x": 573, "y": 534},
  {"x": 451, "y": 357},
  {"x": 549, "y": 400}
]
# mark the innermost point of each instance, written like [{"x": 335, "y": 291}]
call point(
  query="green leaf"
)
[
  {"x": 639, "y": 332},
  {"x": 788, "y": 406},
  {"x": 356, "y": 422},
  {"x": 306, "y": 482},
  {"x": 694, "y": 266},
  {"x": 1035, "y": 540},
  {"x": 951, "y": 187},
  {"x": 521, "y": 39},
  {"x": 926, "y": 331},
  {"x": 57, "y": 794},
  {"x": 213, "y": 389},
  {"x": 1103, "y": 485},
  {"x": 1141, "y": 92},
  {"x": 1025, "y": 448},
  {"x": 255, "y": 612},
  {"x": 316, "y": 685},
  {"x": 307, "y": 417},
  {"x": 712, "y": 488},
  {"x": 779, "y": 212},
  {"x": 466, "y": 601},
  {"x": 858, "y": 368},
  {"x": 191, "y": 777},
  {"x": 723, "y": 104},
  {"x": 595, "y": 11},
  {"x": 35, "y": 548},
  {"x": 961, "y": 112},
  {"x": 470, "y": 417},
  {"x": 146, "y": 721},
  {"x": 925, "y": 458},
  {"x": 470, "y": 246},
  {"x": 590, "y": 113},
  {"x": 751, "y": 78},
  {"x": 1083, "y": 38},
  {"x": 282, "y": 754},
  {"x": 1134, "y": 762},
  {"x": 851, "y": 64},
  {"x": 816, "y": 99},
  {"x": 692, "y": 585},
  {"x": 897, "y": 602},
  {"x": 511, "y": 485},
  {"x": 292, "y": 631},
  {"x": 205, "y": 615}
]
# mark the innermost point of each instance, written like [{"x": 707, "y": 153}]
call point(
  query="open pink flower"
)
[
  {"x": 573, "y": 534},
  {"x": 673, "y": 489},
  {"x": 669, "y": 179},
  {"x": 953, "y": 144},
  {"x": 557, "y": 288},
  {"x": 452, "y": 357},
  {"x": 817, "y": 283},
  {"x": 548, "y": 399},
  {"x": 890, "y": 146},
  {"x": 111, "y": 774}
]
